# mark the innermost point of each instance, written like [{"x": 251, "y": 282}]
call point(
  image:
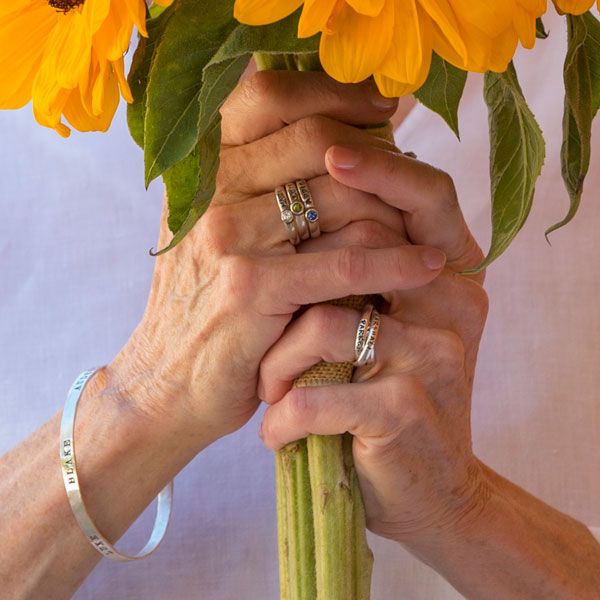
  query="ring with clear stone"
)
[{"x": 287, "y": 217}]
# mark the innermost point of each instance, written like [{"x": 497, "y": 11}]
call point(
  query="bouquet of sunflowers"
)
[{"x": 67, "y": 58}]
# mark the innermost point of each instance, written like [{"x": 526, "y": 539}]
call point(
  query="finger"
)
[
  {"x": 367, "y": 234},
  {"x": 259, "y": 221},
  {"x": 313, "y": 278},
  {"x": 328, "y": 333},
  {"x": 427, "y": 195},
  {"x": 374, "y": 412},
  {"x": 294, "y": 152},
  {"x": 270, "y": 100}
]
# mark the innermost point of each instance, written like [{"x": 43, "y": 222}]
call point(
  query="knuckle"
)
[
  {"x": 404, "y": 404},
  {"x": 298, "y": 406},
  {"x": 351, "y": 264},
  {"x": 446, "y": 353},
  {"x": 321, "y": 320},
  {"x": 368, "y": 234},
  {"x": 309, "y": 129},
  {"x": 219, "y": 225},
  {"x": 238, "y": 277},
  {"x": 444, "y": 189},
  {"x": 477, "y": 302},
  {"x": 261, "y": 87}
]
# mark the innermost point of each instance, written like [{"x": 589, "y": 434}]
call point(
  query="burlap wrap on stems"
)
[{"x": 323, "y": 550}]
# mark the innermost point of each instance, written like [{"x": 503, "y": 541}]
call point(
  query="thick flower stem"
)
[
  {"x": 295, "y": 524},
  {"x": 323, "y": 551}
]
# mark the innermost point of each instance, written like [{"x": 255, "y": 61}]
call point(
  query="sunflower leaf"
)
[
  {"x": 220, "y": 75},
  {"x": 138, "y": 75},
  {"x": 443, "y": 91},
  {"x": 582, "y": 100},
  {"x": 540, "y": 30},
  {"x": 517, "y": 152},
  {"x": 191, "y": 37}
]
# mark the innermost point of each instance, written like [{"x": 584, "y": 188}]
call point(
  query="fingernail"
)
[
  {"x": 383, "y": 103},
  {"x": 433, "y": 258},
  {"x": 343, "y": 158}
]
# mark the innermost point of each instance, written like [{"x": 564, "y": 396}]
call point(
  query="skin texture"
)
[{"x": 227, "y": 297}]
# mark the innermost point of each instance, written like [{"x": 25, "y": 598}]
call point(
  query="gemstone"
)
[
  {"x": 297, "y": 208},
  {"x": 287, "y": 216},
  {"x": 312, "y": 215}
]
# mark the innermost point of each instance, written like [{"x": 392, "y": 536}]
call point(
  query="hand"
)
[
  {"x": 222, "y": 297},
  {"x": 410, "y": 411}
]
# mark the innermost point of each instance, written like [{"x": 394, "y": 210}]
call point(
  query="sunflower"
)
[
  {"x": 575, "y": 7},
  {"x": 394, "y": 39},
  {"x": 67, "y": 57}
]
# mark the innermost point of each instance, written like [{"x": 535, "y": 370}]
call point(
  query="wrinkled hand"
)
[
  {"x": 222, "y": 297},
  {"x": 410, "y": 410}
]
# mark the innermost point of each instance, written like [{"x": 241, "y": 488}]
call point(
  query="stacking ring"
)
[
  {"x": 311, "y": 214},
  {"x": 287, "y": 217},
  {"x": 367, "y": 333},
  {"x": 298, "y": 210}
]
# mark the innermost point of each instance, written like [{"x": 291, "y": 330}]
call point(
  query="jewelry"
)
[
  {"x": 312, "y": 214},
  {"x": 366, "y": 343},
  {"x": 287, "y": 216},
  {"x": 71, "y": 481},
  {"x": 363, "y": 326},
  {"x": 297, "y": 208}
]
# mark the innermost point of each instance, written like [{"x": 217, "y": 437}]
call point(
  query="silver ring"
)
[
  {"x": 311, "y": 214},
  {"x": 287, "y": 217},
  {"x": 298, "y": 210},
  {"x": 366, "y": 336}
]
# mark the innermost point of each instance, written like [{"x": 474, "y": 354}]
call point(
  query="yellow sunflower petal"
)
[
  {"x": 394, "y": 89},
  {"x": 95, "y": 12},
  {"x": 314, "y": 17},
  {"x": 23, "y": 39},
  {"x": 137, "y": 13},
  {"x": 406, "y": 54},
  {"x": 525, "y": 27},
  {"x": 119, "y": 69},
  {"x": 9, "y": 7},
  {"x": 371, "y": 8},
  {"x": 357, "y": 45},
  {"x": 492, "y": 17},
  {"x": 261, "y": 12},
  {"x": 163, "y": 2},
  {"x": 574, "y": 7},
  {"x": 444, "y": 18}
]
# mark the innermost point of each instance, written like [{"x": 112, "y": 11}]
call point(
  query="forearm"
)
[
  {"x": 514, "y": 546},
  {"x": 124, "y": 459}
]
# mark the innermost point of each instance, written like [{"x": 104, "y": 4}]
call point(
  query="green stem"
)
[{"x": 295, "y": 524}]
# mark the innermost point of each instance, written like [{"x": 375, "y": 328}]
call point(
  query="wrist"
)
[{"x": 452, "y": 515}]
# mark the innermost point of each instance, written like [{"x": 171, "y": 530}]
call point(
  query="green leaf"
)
[
  {"x": 220, "y": 76},
  {"x": 138, "y": 75},
  {"x": 443, "y": 91},
  {"x": 194, "y": 32},
  {"x": 517, "y": 152},
  {"x": 540, "y": 30},
  {"x": 582, "y": 100}
]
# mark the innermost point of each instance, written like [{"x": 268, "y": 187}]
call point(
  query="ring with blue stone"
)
[{"x": 312, "y": 214}]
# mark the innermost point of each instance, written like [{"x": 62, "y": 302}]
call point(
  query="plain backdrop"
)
[{"x": 75, "y": 228}]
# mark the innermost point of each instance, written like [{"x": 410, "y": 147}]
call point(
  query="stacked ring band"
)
[
  {"x": 287, "y": 217},
  {"x": 297, "y": 211},
  {"x": 366, "y": 335},
  {"x": 311, "y": 214}
]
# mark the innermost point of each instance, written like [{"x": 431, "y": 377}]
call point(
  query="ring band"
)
[
  {"x": 298, "y": 210},
  {"x": 287, "y": 217},
  {"x": 366, "y": 336},
  {"x": 312, "y": 214}
]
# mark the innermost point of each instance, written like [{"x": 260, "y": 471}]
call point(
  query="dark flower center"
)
[{"x": 65, "y": 6}]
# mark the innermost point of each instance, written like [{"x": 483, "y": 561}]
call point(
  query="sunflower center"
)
[{"x": 65, "y": 6}]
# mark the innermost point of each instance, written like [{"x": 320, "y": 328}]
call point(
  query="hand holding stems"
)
[
  {"x": 409, "y": 412},
  {"x": 188, "y": 374}
]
